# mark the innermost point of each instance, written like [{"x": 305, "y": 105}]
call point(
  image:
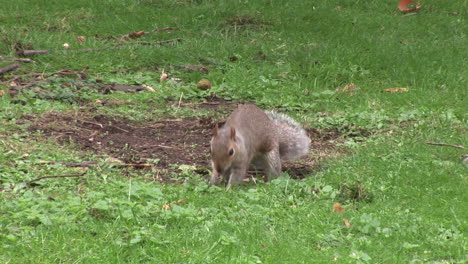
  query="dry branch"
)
[
  {"x": 31, "y": 52},
  {"x": 16, "y": 59},
  {"x": 8, "y": 68},
  {"x": 135, "y": 165},
  {"x": 70, "y": 164},
  {"x": 152, "y": 43},
  {"x": 445, "y": 144}
]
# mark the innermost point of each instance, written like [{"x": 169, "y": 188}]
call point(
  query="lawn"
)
[{"x": 102, "y": 161}]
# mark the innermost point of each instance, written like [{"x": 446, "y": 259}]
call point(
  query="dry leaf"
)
[
  {"x": 81, "y": 39},
  {"x": 149, "y": 88},
  {"x": 167, "y": 206},
  {"x": 115, "y": 160},
  {"x": 396, "y": 90},
  {"x": 408, "y": 6},
  {"x": 2, "y": 93},
  {"x": 349, "y": 88},
  {"x": 346, "y": 223},
  {"x": 95, "y": 133},
  {"x": 180, "y": 201},
  {"x": 337, "y": 208},
  {"x": 163, "y": 76},
  {"x": 135, "y": 35}
]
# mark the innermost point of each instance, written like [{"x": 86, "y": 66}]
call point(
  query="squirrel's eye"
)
[{"x": 231, "y": 152}]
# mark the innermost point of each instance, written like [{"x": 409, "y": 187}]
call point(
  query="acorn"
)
[{"x": 204, "y": 84}]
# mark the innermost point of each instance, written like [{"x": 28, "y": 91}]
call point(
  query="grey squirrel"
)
[{"x": 255, "y": 137}]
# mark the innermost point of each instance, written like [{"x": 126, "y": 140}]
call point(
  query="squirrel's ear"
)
[
  {"x": 215, "y": 130},
  {"x": 233, "y": 134}
]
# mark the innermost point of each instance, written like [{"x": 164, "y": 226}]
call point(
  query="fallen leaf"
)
[
  {"x": 349, "y": 88},
  {"x": 115, "y": 160},
  {"x": 346, "y": 223},
  {"x": 81, "y": 39},
  {"x": 163, "y": 76},
  {"x": 396, "y": 90},
  {"x": 337, "y": 208},
  {"x": 180, "y": 201},
  {"x": 149, "y": 88},
  {"x": 406, "y": 6},
  {"x": 167, "y": 206},
  {"x": 2, "y": 93},
  {"x": 94, "y": 134},
  {"x": 135, "y": 35}
]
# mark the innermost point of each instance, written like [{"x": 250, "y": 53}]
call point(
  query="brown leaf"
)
[
  {"x": 349, "y": 88},
  {"x": 167, "y": 206},
  {"x": 406, "y": 6},
  {"x": 180, "y": 201},
  {"x": 81, "y": 39},
  {"x": 346, "y": 223},
  {"x": 135, "y": 35},
  {"x": 396, "y": 90},
  {"x": 163, "y": 77},
  {"x": 337, "y": 208}
]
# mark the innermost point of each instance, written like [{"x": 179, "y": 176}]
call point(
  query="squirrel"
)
[{"x": 253, "y": 137}]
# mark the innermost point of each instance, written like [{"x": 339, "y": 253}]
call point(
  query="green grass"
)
[{"x": 414, "y": 211}]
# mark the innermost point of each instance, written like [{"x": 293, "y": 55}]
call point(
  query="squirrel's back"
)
[
  {"x": 293, "y": 140},
  {"x": 266, "y": 128},
  {"x": 256, "y": 128}
]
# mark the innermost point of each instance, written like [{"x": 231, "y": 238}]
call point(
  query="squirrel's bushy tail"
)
[{"x": 293, "y": 140}]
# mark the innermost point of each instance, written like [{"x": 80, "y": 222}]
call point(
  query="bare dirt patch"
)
[{"x": 172, "y": 141}]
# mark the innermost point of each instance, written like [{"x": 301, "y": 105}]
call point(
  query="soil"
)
[{"x": 171, "y": 141}]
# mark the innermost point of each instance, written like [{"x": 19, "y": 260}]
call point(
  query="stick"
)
[
  {"x": 69, "y": 164},
  {"x": 31, "y": 52},
  {"x": 152, "y": 43},
  {"x": 161, "y": 146},
  {"x": 22, "y": 60},
  {"x": 166, "y": 28},
  {"x": 16, "y": 59},
  {"x": 8, "y": 68},
  {"x": 136, "y": 165},
  {"x": 54, "y": 177},
  {"x": 121, "y": 129},
  {"x": 445, "y": 144}
]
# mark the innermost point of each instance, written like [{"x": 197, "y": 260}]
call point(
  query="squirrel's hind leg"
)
[{"x": 272, "y": 164}]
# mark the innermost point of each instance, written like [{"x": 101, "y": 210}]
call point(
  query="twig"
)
[
  {"x": 210, "y": 103},
  {"x": 152, "y": 43},
  {"x": 22, "y": 60},
  {"x": 54, "y": 177},
  {"x": 136, "y": 165},
  {"x": 180, "y": 101},
  {"x": 164, "y": 29},
  {"x": 8, "y": 68},
  {"x": 16, "y": 59},
  {"x": 160, "y": 146},
  {"x": 31, "y": 52},
  {"x": 121, "y": 129},
  {"x": 69, "y": 164},
  {"x": 92, "y": 123},
  {"x": 445, "y": 144}
]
